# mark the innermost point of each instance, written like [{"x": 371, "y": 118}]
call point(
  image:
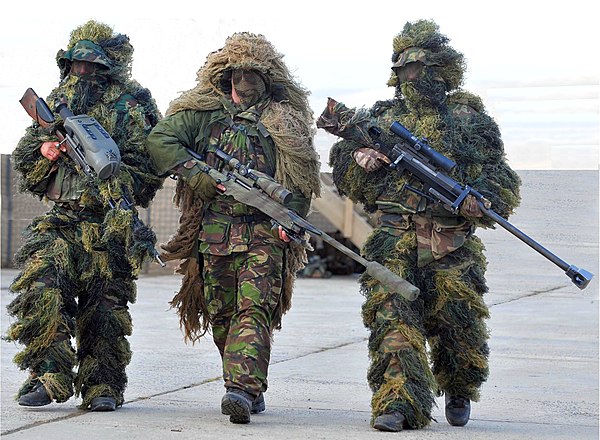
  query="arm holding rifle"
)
[
  {"x": 361, "y": 168},
  {"x": 35, "y": 168},
  {"x": 173, "y": 143},
  {"x": 95, "y": 158}
]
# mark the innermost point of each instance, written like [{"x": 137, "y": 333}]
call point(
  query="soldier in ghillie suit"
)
[
  {"x": 80, "y": 260},
  {"x": 418, "y": 238},
  {"x": 238, "y": 269}
]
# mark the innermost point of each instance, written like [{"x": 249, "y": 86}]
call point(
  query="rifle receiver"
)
[{"x": 101, "y": 151}]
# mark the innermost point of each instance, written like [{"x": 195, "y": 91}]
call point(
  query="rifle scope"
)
[
  {"x": 275, "y": 190},
  {"x": 421, "y": 146}
]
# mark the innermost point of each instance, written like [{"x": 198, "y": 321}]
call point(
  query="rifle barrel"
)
[
  {"x": 580, "y": 277},
  {"x": 377, "y": 270}
]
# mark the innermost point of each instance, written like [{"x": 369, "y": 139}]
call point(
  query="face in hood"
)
[{"x": 248, "y": 87}]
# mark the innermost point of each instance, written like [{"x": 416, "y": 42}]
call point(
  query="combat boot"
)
[
  {"x": 38, "y": 396},
  {"x": 458, "y": 410},
  {"x": 258, "y": 405},
  {"x": 103, "y": 404},
  {"x": 391, "y": 422},
  {"x": 237, "y": 404}
]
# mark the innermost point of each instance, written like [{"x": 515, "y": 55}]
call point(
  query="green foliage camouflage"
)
[
  {"x": 107, "y": 48},
  {"x": 79, "y": 261},
  {"x": 449, "y": 315},
  {"x": 447, "y": 63}
]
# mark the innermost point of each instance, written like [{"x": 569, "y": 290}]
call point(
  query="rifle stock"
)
[
  {"x": 39, "y": 111},
  {"x": 248, "y": 192},
  {"x": 37, "y": 108}
]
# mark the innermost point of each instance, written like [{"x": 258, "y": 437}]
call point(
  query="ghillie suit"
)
[
  {"x": 421, "y": 241},
  {"x": 215, "y": 235},
  {"x": 80, "y": 260}
]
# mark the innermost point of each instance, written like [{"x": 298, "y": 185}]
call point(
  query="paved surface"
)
[{"x": 544, "y": 351}]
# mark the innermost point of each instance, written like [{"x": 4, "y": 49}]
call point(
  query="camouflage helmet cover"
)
[
  {"x": 86, "y": 50},
  {"x": 422, "y": 41},
  {"x": 96, "y": 42},
  {"x": 412, "y": 55}
]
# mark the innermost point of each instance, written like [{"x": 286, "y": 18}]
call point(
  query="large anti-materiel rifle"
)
[
  {"x": 93, "y": 150},
  {"x": 428, "y": 165},
  {"x": 258, "y": 190}
]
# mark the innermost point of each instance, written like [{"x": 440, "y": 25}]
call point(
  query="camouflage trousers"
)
[
  {"x": 448, "y": 316},
  {"x": 242, "y": 292},
  {"x": 72, "y": 287}
]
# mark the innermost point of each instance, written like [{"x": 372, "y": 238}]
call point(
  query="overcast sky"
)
[{"x": 535, "y": 66}]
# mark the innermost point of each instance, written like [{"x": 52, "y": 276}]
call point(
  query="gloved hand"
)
[
  {"x": 470, "y": 207},
  {"x": 369, "y": 159},
  {"x": 203, "y": 185}
]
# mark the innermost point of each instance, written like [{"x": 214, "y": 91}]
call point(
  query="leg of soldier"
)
[
  {"x": 220, "y": 281},
  {"x": 44, "y": 310},
  {"x": 458, "y": 334},
  {"x": 399, "y": 375},
  {"x": 103, "y": 323},
  {"x": 248, "y": 348}
]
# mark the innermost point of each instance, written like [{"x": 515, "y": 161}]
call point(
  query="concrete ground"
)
[{"x": 543, "y": 381}]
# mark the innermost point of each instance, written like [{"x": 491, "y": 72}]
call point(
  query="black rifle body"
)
[{"x": 415, "y": 158}]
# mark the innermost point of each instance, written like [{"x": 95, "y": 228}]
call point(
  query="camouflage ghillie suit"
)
[
  {"x": 238, "y": 277},
  {"x": 80, "y": 260},
  {"x": 420, "y": 240}
]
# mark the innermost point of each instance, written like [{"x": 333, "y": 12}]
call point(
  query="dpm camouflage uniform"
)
[
  {"x": 243, "y": 263},
  {"x": 238, "y": 275}
]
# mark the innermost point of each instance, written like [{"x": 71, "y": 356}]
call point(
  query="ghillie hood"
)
[
  {"x": 288, "y": 118},
  {"x": 96, "y": 42},
  {"x": 244, "y": 51},
  {"x": 422, "y": 41}
]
